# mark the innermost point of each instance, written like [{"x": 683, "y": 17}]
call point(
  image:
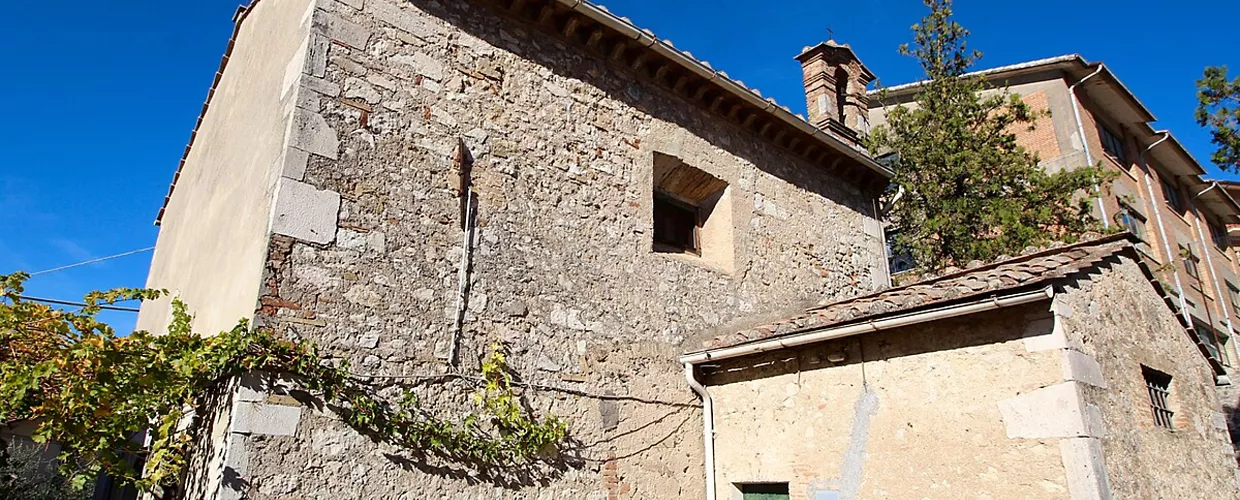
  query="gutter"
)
[
  {"x": 814, "y": 336},
  {"x": 1205, "y": 249},
  {"x": 665, "y": 49},
  {"x": 1162, "y": 231},
  {"x": 902, "y": 88},
  {"x": 1080, "y": 128}
]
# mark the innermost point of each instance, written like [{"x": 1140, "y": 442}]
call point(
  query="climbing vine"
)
[{"x": 92, "y": 391}]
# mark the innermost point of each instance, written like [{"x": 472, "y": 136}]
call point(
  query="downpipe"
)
[
  {"x": 1162, "y": 230},
  {"x": 1089, "y": 157},
  {"x": 708, "y": 428}
]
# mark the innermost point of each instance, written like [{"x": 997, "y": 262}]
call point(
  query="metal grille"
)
[{"x": 1158, "y": 384}]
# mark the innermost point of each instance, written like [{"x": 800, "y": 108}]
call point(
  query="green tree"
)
[
  {"x": 1218, "y": 108},
  {"x": 971, "y": 192}
]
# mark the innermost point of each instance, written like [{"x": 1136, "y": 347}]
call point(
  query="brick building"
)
[{"x": 1158, "y": 194}]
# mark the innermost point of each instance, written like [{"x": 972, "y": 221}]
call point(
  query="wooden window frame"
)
[
  {"x": 1111, "y": 140},
  {"x": 696, "y": 237},
  {"x": 1126, "y": 215},
  {"x": 1171, "y": 193}
]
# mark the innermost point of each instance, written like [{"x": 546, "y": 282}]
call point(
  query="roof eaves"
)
[
  {"x": 903, "y": 318},
  {"x": 1039, "y": 64},
  {"x": 665, "y": 48},
  {"x": 1050, "y": 61},
  {"x": 623, "y": 25}
]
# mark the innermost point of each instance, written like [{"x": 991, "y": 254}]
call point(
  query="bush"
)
[{"x": 27, "y": 474}]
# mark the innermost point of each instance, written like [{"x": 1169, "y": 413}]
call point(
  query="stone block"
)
[
  {"x": 320, "y": 85},
  {"x": 316, "y": 56},
  {"x": 340, "y": 30},
  {"x": 423, "y": 64},
  {"x": 1082, "y": 368},
  {"x": 310, "y": 132},
  {"x": 401, "y": 19},
  {"x": 292, "y": 164},
  {"x": 305, "y": 213},
  {"x": 265, "y": 419},
  {"x": 250, "y": 389},
  {"x": 1057, "y": 411},
  {"x": 609, "y": 414},
  {"x": 1085, "y": 470},
  {"x": 1044, "y": 335}
]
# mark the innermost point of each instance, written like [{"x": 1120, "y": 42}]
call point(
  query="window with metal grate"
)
[{"x": 1158, "y": 384}]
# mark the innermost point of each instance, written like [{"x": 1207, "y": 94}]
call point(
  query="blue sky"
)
[{"x": 100, "y": 97}]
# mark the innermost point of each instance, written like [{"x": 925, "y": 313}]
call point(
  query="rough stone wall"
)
[
  {"x": 1116, "y": 318},
  {"x": 563, "y": 273},
  {"x": 926, "y": 411}
]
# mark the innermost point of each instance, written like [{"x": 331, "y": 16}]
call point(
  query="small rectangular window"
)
[
  {"x": 764, "y": 491},
  {"x": 1190, "y": 262},
  {"x": 1234, "y": 292},
  {"x": 1113, "y": 145},
  {"x": 1206, "y": 335},
  {"x": 1158, "y": 385},
  {"x": 675, "y": 225},
  {"x": 1219, "y": 234},
  {"x": 692, "y": 213},
  {"x": 1133, "y": 222},
  {"x": 1172, "y": 193}
]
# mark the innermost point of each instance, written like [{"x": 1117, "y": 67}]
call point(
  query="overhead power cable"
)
[
  {"x": 93, "y": 261},
  {"x": 78, "y": 304}
]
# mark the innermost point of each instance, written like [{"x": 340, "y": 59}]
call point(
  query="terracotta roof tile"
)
[{"x": 1031, "y": 269}]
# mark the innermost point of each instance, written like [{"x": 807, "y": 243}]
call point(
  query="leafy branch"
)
[
  {"x": 92, "y": 391},
  {"x": 1218, "y": 109},
  {"x": 971, "y": 191}
]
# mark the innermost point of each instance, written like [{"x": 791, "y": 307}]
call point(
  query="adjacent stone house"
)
[
  {"x": 406, "y": 183},
  {"x": 1062, "y": 373}
]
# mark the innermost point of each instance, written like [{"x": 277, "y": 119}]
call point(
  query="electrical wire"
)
[
  {"x": 93, "y": 261},
  {"x": 78, "y": 304}
]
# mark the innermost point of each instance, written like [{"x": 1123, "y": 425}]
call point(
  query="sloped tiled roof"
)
[{"x": 1036, "y": 268}]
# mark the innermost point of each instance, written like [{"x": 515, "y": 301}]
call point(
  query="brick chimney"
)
[{"x": 835, "y": 89}]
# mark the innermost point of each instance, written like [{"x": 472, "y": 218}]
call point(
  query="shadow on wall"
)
[
  {"x": 986, "y": 328},
  {"x": 1229, "y": 397},
  {"x": 550, "y": 464},
  {"x": 571, "y": 62}
]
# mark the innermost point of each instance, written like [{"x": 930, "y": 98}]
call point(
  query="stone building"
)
[
  {"x": 1062, "y": 373},
  {"x": 406, "y": 183}
]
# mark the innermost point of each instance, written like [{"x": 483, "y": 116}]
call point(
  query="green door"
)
[{"x": 764, "y": 491}]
